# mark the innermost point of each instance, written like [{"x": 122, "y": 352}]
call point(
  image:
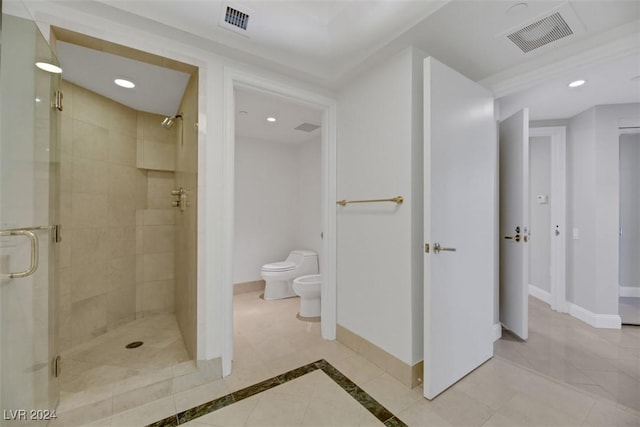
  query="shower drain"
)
[{"x": 134, "y": 344}]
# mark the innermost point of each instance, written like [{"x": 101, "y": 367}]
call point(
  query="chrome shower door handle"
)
[{"x": 34, "y": 252}]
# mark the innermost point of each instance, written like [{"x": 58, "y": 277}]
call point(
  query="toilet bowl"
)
[
  {"x": 279, "y": 276},
  {"x": 308, "y": 288}
]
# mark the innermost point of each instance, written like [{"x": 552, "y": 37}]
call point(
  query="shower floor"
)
[{"x": 104, "y": 374}]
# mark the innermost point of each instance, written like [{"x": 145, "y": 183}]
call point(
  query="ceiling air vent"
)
[
  {"x": 541, "y": 32},
  {"x": 307, "y": 127},
  {"x": 235, "y": 17}
]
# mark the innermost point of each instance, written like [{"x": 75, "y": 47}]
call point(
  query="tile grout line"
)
[{"x": 361, "y": 396}]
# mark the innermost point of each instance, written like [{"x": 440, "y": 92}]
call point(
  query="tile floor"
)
[
  {"x": 101, "y": 377},
  {"x": 604, "y": 362},
  {"x": 509, "y": 390},
  {"x": 104, "y": 360},
  {"x": 315, "y": 394}
]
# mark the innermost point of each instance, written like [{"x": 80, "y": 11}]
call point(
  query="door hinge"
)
[
  {"x": 57, "y": 100},
  {"x": 426, "y": 248},
  {"x": 57, "y": 366},
  {"x": 57, "y": 233}
]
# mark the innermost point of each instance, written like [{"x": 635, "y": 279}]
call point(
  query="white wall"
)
[
  {"x": 608, "y": 119},
  {"x": 593, "y": 206},
  {"x": 540, "y": 214},
  {"x": 580, "y": 210},
  {"x": 277, "y": 203},
  {"x": 630, "y": 210},
  {"x": 379, "y": 155},
  {"x": 309, "y": 200}
]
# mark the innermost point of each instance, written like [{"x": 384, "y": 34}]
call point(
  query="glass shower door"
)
[{"x": 28, "y": 213}]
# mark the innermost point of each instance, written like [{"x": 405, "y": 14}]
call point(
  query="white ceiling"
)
[
  {"x": 321, "y": 39},
  {"x": 470, "y": 36},
  {"x": 253, "y": 108},
  {"x": 330, "y": 42},
  {"x": 607, "y": 83},
  {"x": 158, "y": 90}
]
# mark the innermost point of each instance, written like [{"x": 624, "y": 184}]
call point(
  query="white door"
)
[
  {"x": 514, "y": 223},
  {"x": 460, "y": 172}
]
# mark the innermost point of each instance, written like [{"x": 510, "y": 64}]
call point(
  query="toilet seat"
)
[
  {"x": 278, "y": 276},
  {"x": 279, "y": 266}
]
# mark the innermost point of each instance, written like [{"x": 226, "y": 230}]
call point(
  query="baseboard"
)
[
  {"x": 540, "y": 294},
  {"x": 604, "y": 321},
  {"x": 630, "y": 291},
  {"x": 497, "y": 331},
  {"x": 242, "y": 288},
  {"x": 410, "y": 376}
]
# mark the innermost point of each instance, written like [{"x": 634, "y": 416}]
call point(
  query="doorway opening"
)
[
  {"x": 629, "y": 239},
  {"x": 547, "y": 207},
  {"x": 278, "y": 214},
  {"x": 238, "y": 84}
]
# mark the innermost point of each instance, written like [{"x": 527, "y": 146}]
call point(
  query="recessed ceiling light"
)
[
  {"x": 38, "y": 100},
  {"x": 125, "y": 83},
  {"x": 48, "y": 67},
  {"x": 577, "y": 83},
  {"x": 517, "y": 8},
  {"x": 271, "y": 119}
]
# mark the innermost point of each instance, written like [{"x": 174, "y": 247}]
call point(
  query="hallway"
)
[{"x": 605, "y": 362}]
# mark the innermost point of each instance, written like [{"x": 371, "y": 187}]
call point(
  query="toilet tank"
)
[{"x": 306, "y": 261}]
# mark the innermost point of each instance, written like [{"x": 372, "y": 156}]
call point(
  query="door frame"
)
[
  {"x": 626, "y": 126},
  {"x": 236, "y": 78},
  {"x": 557, "y": 297}
]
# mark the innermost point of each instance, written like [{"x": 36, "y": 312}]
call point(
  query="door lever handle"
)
[
  {"x": 516, "y": 237},
  {"x": 437, "y": 248}
]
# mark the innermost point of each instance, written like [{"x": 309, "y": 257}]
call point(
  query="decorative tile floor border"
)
[{"x": 370, "y": 404}]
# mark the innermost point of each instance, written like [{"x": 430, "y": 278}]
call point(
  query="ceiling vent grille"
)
[
  {"x": 307, "y": 127},
  {"x": 541, "y": 32},
  {"x": 236, "y": 18}
]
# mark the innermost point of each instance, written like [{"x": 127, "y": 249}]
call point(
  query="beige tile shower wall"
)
[
  {"x": 186, "y": 154},
  {"x": 155, "y": 259},
  {"x": 155, "y": 144},
  {"x": 155, "y": 233},
  {"x": 98, "y": 213},
  {"x": 156, "y": 244}
]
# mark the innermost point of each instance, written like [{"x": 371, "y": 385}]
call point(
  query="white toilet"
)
[
  {"x": 308, "y": 288},
  {"x": 279, "y": 275}
]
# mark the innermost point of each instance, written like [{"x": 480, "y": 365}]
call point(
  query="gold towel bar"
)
[{"x": 398, "y": 200}]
